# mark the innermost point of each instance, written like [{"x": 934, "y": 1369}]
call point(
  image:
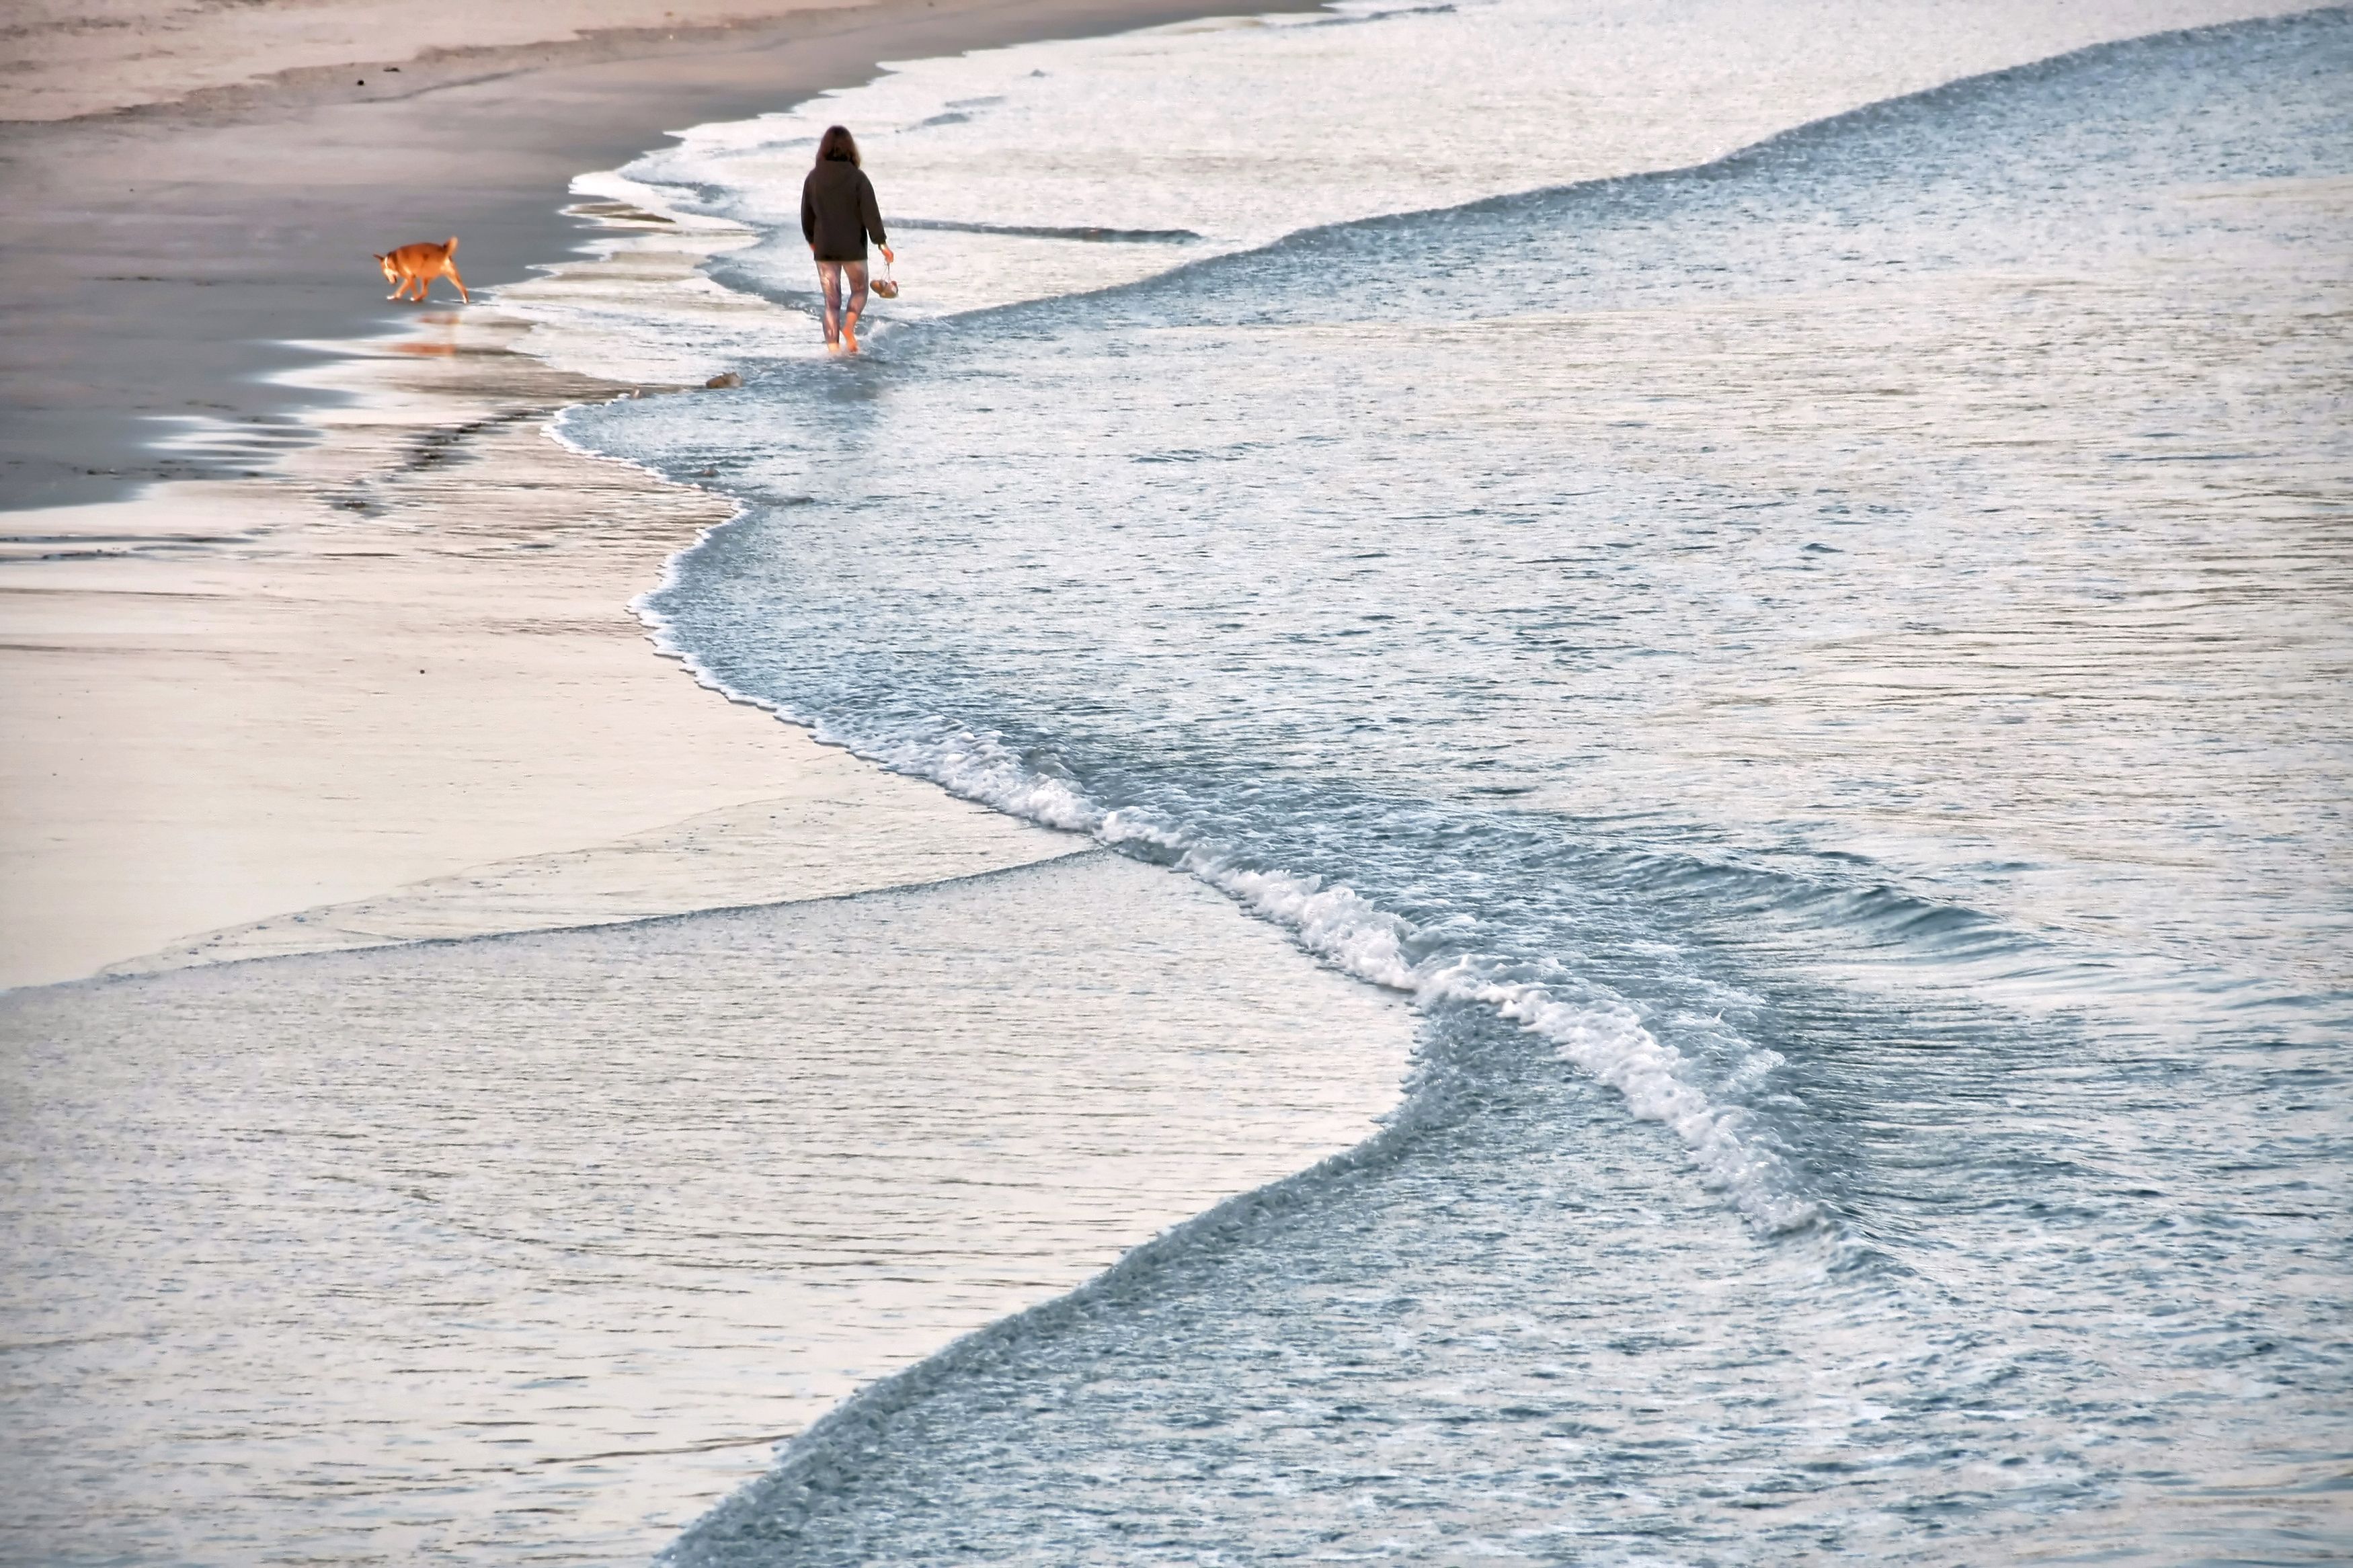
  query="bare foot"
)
[{"x": 849, "y": 335}]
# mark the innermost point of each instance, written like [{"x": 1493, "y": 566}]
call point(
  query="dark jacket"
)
[{"x": 837, "y": 211}]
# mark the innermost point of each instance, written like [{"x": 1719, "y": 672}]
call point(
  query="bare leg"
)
[
  {"x": 828, "y": 277},
  {"x": 857, "y": 272}
]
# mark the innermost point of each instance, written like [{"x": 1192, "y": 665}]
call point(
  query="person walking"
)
[{"x": 838, "y": 216}]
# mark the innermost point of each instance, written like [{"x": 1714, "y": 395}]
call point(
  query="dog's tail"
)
[{"x": 450, "y": 249}]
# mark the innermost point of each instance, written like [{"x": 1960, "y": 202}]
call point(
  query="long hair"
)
[{"x": 837, "y": 143}]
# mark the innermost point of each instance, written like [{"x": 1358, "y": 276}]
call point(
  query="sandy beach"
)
[
  {"x": 361, "y": 844},
  {"x": 405, "y": 657},
  {"x": 193, "y": 195},
  {"x": 369, "y": 677}
]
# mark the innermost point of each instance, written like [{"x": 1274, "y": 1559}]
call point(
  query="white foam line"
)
[{"x": 1608, "y": 1041}]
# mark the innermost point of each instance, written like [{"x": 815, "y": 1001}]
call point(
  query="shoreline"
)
[
  {"x": 387, "y": 690},
  {"x": 440, "y": 588},
  {"x": 214, "y": 623},
  {"x": 160, "y": 262},
  {"x": 225, "y": 668},
  {"x": 541, "y": 1244},
  {"x": 224, "y": 688}
]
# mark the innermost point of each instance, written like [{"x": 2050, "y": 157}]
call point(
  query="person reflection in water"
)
[{"x": 838, "y": 217}]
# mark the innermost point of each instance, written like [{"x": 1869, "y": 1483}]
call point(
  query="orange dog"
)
[{"x": 419, "y": 263}]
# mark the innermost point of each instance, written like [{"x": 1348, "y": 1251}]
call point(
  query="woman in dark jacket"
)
[{"x": 838, "y": 214}]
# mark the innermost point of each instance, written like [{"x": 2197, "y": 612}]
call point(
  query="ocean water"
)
[
  {"x": 527, "y": 1250},
  {"x": 1822, "y": 672}
]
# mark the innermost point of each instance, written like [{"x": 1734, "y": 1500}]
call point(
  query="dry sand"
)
[{"x": 75, "y": 57}]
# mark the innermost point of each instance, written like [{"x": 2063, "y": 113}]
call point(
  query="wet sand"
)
[
  {"x": 227, "y": 726},
  {"x": 383, "y": 686},
  {"x": 332, "y": 669},
  {"x": 157, "y": 258},
  {"x": 405, "y": 657},
  {"x": 372, "y": 683}
]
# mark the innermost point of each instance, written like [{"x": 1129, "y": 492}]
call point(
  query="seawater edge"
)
[
  {"x": 436, "y": 497},
  {"x": 541, "y": 1241}
]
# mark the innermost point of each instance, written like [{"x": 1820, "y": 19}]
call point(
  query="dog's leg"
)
[{"x": 451, "y": 273}]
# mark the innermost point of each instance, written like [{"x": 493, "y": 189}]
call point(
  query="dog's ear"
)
[{"x": 377, "y": 254}]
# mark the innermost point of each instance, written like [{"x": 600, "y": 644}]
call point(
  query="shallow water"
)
[
  {"x": 527, "y": 1250},
  {"x": 1821, "y": 673}
]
